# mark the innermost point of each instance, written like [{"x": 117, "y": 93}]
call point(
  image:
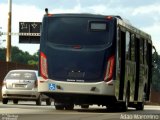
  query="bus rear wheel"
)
[
  {"x": 48, "y": 101},
  {"x": 85, "y": 106},
  {"x": 140, "y": 106},
  {"x": 15, "y": 101},
  {"x": 125, "y": 104},
  {"x": 127, "y": 100},
  {"x": 4, "y": 100},
  {"x": 69, "y": 106},
  {"x": 59, "y": 105}
]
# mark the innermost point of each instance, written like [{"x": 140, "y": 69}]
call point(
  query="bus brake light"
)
[
  {"x": 109, "y": 17},
  {"x": 50, "y": 15},
  {"x": 109, "y": 69},
  {"x": 43, "y": 65}
]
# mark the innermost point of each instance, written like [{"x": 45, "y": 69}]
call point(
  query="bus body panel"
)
[
  {"x": 96, "y": 88},
  {"x": 80, "y": 53},
  {"x": 85, "y": 64}
]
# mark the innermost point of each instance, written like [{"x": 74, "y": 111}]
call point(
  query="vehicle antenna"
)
[{"x": 46, "y": 10}]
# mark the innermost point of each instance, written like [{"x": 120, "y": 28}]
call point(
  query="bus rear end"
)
[{"x": 77, "y": 59}]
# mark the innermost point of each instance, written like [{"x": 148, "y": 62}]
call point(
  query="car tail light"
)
[
  {"x": 36, "y": 84},
  {"x": 109, "y": 70},
  {"x": 43, "y": 65},
  {"x": 4, "y": 83}
]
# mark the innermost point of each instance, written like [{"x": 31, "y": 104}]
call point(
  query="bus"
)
[{"x": 90, "y": 59}]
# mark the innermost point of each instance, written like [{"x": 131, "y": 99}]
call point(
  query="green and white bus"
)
[{"x": 88, "y": 59}]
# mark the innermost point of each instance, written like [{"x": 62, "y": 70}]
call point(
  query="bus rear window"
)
[{"x": 77, "y": 31}]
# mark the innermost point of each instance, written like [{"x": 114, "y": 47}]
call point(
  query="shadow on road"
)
[{"x": 102, "y": 110}]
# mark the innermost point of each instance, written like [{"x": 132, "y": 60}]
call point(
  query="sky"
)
[{"x": 144, "y": 14}]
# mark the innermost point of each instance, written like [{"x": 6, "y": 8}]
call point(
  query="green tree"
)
[
  {"x": 20, "y": 56},
  {"x": 2, "y": 54},
  {"x": 156, "y": 74}
]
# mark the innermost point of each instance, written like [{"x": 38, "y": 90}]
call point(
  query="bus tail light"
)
[
  {"x": 109, "y": 17},
  {"x": 109, "y": 70},
  {"x": 43, "y": 65}
]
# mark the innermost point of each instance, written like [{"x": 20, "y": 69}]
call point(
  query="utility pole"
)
[{"x": 8, "y": 53}]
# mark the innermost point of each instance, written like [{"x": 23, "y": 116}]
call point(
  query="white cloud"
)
[
  {"x": 20, "y": 13},
  {"x": 149, "y": 9},
  {"x": 98, "y": 9},
  {"x": 76, "y": 9},
  {"x": 32, "y": 13},
  {"x": 154, "y": 31},
  {"x": 25, "y": 13}
]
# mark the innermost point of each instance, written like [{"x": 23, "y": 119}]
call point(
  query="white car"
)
[{"x": 22, "y": 85}]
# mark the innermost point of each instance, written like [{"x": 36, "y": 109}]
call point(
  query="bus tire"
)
[
  {"x": 59, "y": 106},
  {"x": 111, "y": 108},
  {"x": 85, "y": 106},
  {"x": 125, "y": 104},
  {"x": 15, "y": 101},
  {"x": 4, "y": 100},
  {"x": 48, "y": 101},
  {"x": 69, "y": 106},
  {"x": 127, "y": 100},
  {"x": 140, "y": 106}
]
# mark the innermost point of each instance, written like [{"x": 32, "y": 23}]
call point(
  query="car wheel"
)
[
  {"x": 39, "y": 100},
  {"x": 15, "y": 101},
  {"x": 48, "y": 101},
  {"x": 4, "y": 100}
]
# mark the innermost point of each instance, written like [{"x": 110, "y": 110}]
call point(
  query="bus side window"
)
[
  {"x": 122, "y": 43},
  {"x": 132, "y": 47},
  {"x": 128, "y": 51},
  {"x": 141, "y": 51},
  {"x": 145, "y": 52}
]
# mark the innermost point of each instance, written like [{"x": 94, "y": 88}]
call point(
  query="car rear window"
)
[{"x": 21, "y": 75}]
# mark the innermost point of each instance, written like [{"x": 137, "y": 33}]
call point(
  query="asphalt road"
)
[{"x": 29, "y": 111}]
